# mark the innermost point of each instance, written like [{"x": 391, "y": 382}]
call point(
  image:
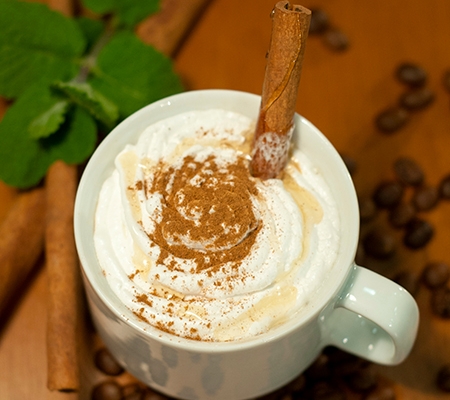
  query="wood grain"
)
[{"x": 340, "y": 93}]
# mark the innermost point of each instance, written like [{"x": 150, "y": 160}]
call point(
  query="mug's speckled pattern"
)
[{"x": 355, "y": 309}]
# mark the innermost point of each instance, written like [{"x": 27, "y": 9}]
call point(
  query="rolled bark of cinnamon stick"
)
[
  {"x": 166, "y": 29},
  {"x": 274, "y": 128},
  {"x": 21, "y": 242},
  {"x": 64, "y": 281}
]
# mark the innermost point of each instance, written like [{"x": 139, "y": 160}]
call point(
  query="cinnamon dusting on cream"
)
[{"x": 206, "y": 209}]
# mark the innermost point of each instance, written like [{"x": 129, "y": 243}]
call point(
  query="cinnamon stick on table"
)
[
  {"x": 280, "y": 88},
  {"x": 167, "y": 29},
  {"x": 64, "y": 281},
  {"x": 21, "y": 242}
]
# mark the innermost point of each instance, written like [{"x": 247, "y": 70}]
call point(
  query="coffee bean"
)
[
  {"x": 446, "y": 80},
  {"x": 409, "y": 281},
  {"x": 132, "y": 391},
  {"x": 326, "y": 391},
  {"x": 381, "y": 392},
  {"x": 109, "y": 390},
  {"x": 444, "y": 188},
  {"x": 436, "y": 274},
  {"x": 343, "y": 364},
  {"x": 319, "y": 369},
  {"x": 363, "y": 380},
  {"x": 411, "y": 74},
  {"x": 418, "y": 233},
  {"x": 425, "y": 198},
  {"x": 443, "y": 378},
  {"x": 388, "y": 194},
  {"x": 151, "y": 395},
  {"x": 319, "y": 22},
  {"x": 298, "y": 384},
  {"x": 408, "y": 171},
  {"x": 106, "y": 363},
  {"x": 367, "y": 209},
  {"x": 401, "y": 215},
  {"x": 440, "y": 302},
  {"x": 417, "y": 99},
  {"x": 133, "y": 396},
  {"x": 379, "y": 244},
  {"x": 336, "y": 40},
  {"x": 391, "y": 119}
]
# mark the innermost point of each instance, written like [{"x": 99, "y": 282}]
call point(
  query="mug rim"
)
[{"x": 111, "y": 300}]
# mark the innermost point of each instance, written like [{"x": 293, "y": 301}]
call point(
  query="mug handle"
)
[{"x": 372, "y": 317}]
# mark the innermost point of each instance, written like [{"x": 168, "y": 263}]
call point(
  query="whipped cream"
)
[{"x": 195, "y": 246}]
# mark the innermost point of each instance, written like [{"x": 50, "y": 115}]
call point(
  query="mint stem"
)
[{"x": 90, "y": 61}]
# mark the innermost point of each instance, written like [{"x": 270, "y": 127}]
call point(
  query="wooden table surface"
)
[{"x": 340, "y": 92}]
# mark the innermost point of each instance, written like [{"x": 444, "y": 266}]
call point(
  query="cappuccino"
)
[{"x": 195, "y": 246}]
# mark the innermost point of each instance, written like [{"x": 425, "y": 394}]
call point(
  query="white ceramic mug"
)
[{"x": 355, "y": 309}]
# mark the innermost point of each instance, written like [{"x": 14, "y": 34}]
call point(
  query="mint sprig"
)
[
  {"x": 49, "y": 120},
  {"x": 69, "y": 79},
  {"x": 36, "y": 44},
  {"x": 138, "y": 78},
  {"x": 25, "y": 160}
]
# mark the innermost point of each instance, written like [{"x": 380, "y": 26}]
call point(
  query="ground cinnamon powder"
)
[{"x": 207, "y": 213}]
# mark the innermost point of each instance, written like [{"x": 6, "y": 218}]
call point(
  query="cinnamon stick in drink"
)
[
  {"x": 21, "y": 242},
  {"x": 280, "y": 89},
  {"x": 64, "y": 281}
]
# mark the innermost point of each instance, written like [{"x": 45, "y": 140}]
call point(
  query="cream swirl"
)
[{"x": 196, "y": 246}]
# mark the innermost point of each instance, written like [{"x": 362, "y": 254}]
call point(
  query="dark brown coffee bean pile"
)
[
  {"x": 435, "y": 277},
  {"x": 416, "y": 97},
  {"x": 403, "y": 213},
  {"x": 336, "y": 374},
  {"x": 334, "y": 38},
  {"x": 111, "y": 389}
]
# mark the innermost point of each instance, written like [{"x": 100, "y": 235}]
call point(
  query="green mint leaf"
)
[
  {"x": 94, "y": 102},
  {"x": 49, "y": 121},
  {"x": 25, "y": 160},
  {"x": 91, "y": 29},
  {"x": 133, "y": 74},
  {"x": 129, "y": 12},
  {"x": 36, "y": 44}
]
